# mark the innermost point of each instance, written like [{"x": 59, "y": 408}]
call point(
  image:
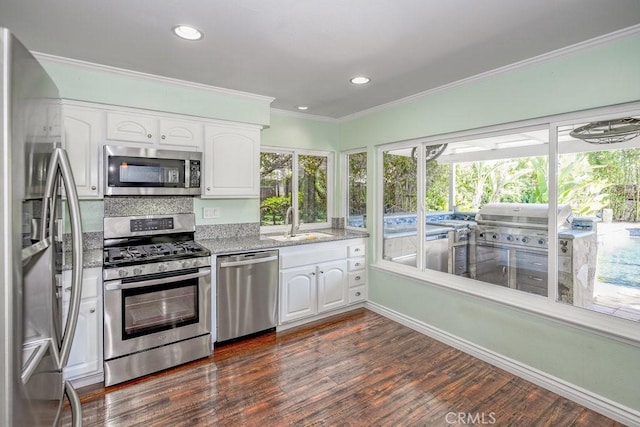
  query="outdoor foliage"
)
[
  {"x": 357, "y": 184},
  {"x": 588, "y": 182},
  {"x": 276, "y": 174}
]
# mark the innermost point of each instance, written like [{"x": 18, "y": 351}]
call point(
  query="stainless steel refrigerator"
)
[{"x": 38, "y": 193}]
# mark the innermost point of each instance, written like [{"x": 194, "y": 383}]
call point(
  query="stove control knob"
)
[
  {"x": 196, "y": 263},
  {"x": 123, "y": 273},
  {"x": 494, "y": 237},
  {"x": 137, "y": 271},
  {"x": 525, "y": 239},
  {"x": 186, "y": 264},
  {"x": 510, "y": 238},
  {"x": 541, "y": 241},
  {"x": 564, "y": 249},
  {"x": 162, "y": 267},
  {"x": 482, "y": 235}
]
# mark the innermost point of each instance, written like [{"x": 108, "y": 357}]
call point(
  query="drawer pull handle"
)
[
  {"x": 92, "y": 310},
  {"x": 357, "y": 277},
  {"x": 537, "y": 279},
  {"x": 149, "y": 135},
  {"x": 357, "y": 264},
  {"x": 357, "y": 294}
]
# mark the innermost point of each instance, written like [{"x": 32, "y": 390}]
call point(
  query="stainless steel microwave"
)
[{"x": 147, "y": 171}]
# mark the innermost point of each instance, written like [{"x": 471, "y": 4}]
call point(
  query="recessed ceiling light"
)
[
  {"x": 360, "y": 80},
  {"x": 187, "y": 32},
  {"x": 302, "y": 107}
]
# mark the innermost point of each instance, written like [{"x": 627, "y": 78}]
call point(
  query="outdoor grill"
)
[{"x": 511, "y": 245}]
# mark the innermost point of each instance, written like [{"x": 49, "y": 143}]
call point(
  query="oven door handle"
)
[{"x": 117, "y": 285}]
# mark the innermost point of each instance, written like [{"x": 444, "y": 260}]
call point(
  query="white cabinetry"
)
[
  {"x": 357, "y": 275},
  {"x": 332, "y": 285},
  {"x": 321, "y": 277},
  {"x": 82, "y": 139},
  {"x": 85, "y": 362},
  {"x": 232, "y": 161},
  {"x": 297, "y": 293},
  {"x": 154, "y": 130}
]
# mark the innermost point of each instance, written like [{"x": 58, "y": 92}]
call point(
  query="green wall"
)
[
  {"x": 92, "y": 84},
  {"x": 294, "y": 131},
  {"x": 603, "y": 75}
]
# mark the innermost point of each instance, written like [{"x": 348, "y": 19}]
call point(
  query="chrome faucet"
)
[{"x": 294, "y": 220}]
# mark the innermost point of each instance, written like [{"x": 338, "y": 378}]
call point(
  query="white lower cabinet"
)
[
  {"x": 318, "y": 278},
  {"x": 298, "y": 293},
  {"x": 332, "y": 285},
  {"x": 85, "y": 361}
]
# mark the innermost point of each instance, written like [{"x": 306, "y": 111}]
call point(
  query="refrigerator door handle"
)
[{"x": 77, "y": 262}]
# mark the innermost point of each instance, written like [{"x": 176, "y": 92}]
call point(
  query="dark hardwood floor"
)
[{"x": 355, "y": 369}]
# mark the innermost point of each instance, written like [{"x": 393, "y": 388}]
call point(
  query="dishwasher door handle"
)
[{"x": 224, "y": 264}]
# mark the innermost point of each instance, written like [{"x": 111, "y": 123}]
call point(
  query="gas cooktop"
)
[{"x": 141, "y": 254}]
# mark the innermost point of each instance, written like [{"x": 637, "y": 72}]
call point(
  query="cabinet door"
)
[
  {"x": 82, "y": 136},
  {"x": 298, "y": 293},
  {"x": 181, "y": 134},
  {"x": 132, "y": 127},
  {"x": 232, "y": 159},
  {"x": 332, "y": 285},
  {"x": 85, "y": 351}
]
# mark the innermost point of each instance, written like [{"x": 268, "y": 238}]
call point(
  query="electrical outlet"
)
[{"x": 210, "y": 212}]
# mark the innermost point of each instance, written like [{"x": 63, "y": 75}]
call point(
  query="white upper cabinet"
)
[
  {"x": 132, "y": 127},
  {"x": 175, "y": 134},
  {"x": 181, "y": 134},
  {"x": 231, "y": 151},
  {"x": 82, "y": 140},
  {"x": 231, "y": 161}
]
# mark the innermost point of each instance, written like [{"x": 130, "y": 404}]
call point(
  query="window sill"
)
[{"x": 590, "y": 321}]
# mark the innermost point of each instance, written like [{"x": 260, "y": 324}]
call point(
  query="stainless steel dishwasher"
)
[{"x": 247, "y": 294}]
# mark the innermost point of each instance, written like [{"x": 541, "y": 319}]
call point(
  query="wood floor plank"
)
[{"x": 354, "y": 369}]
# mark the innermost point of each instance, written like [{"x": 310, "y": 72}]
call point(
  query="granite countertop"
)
[
  {"x": 263, "y": 241},
  {"x": 93, "y": 257}
]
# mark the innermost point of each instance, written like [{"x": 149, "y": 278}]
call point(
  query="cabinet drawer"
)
[
  {"x": 357, "y": 294},
  {"x": 356, "y": 264},
  {"x": 357, "y": 278},
  {"x": 356, "y": 250}
]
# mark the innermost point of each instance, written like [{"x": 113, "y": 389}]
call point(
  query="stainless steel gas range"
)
[{"x": 157, "y": 295}]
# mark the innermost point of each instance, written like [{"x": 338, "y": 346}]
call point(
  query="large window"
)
[
  {"x": 294, "y": 179},
  {"x": 494, "y": 209}
]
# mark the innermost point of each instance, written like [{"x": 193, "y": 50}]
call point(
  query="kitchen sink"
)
[{"x": 300, "y": 236}]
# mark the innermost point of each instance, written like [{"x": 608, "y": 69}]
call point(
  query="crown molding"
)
[
  {"x": 45, "y": 57},
  {"x": 587, "y": 44},
  {"x": 304, "y": 116}
]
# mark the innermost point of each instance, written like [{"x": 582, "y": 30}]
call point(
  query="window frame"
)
[
  {"x": 295, "y": 152},
  {"x": 548, "y": 307}
]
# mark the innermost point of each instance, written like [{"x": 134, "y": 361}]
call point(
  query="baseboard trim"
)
[
  {"x": 602, "y": 405},
  {"x": 88, "y": 380}
]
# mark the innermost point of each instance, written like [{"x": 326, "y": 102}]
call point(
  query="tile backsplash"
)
[{"x": 147, "y": 205}]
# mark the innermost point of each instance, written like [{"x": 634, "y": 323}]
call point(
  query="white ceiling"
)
[{"x": 303, "y": 52}]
